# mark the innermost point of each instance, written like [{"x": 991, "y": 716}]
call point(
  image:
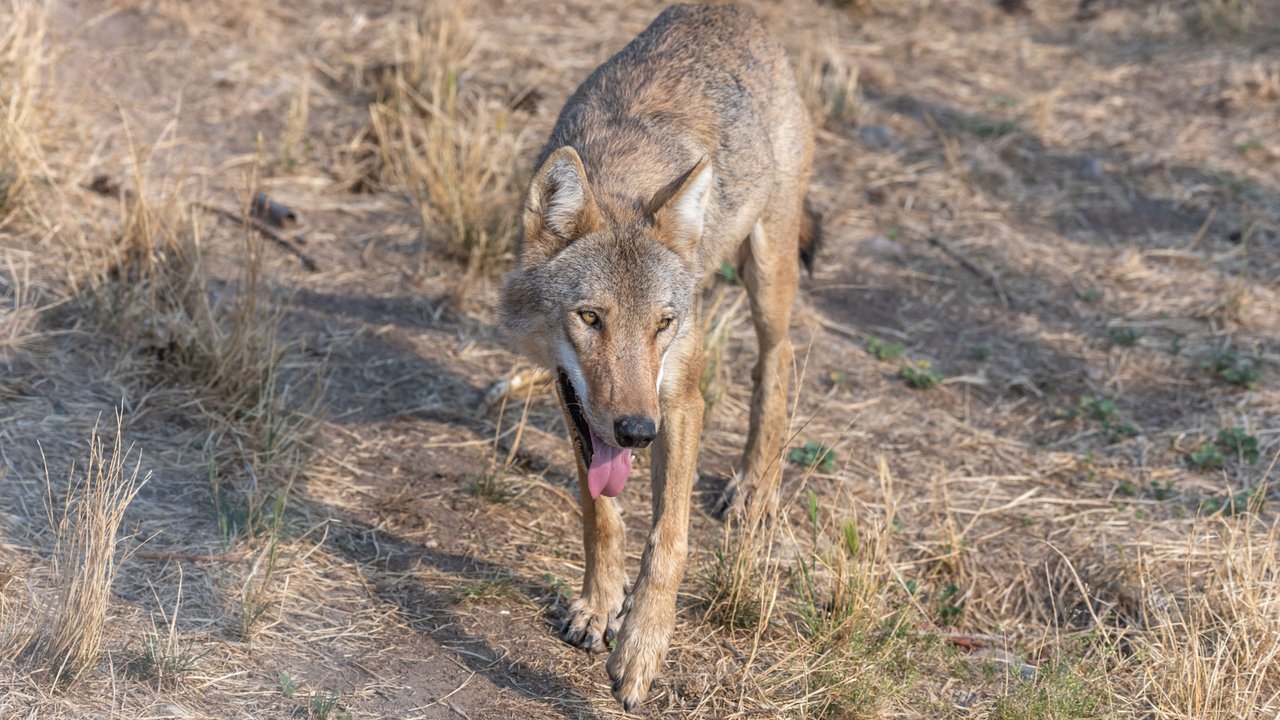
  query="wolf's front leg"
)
[
  {"x": 650, "y": 611},
  {"x": 592, "y": 620}
]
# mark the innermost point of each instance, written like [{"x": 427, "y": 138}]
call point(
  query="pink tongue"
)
[{"x": 609, "y": 469}]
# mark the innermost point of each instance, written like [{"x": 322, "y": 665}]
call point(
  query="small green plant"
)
[
  {"x": 919, "y": 375},
  {"x": 1207, "y": 457},
  {"x": 493, "y": 487},
  {"x": 1252, "y": 144},
  {"x": 1239, "y": 444},
  {"x": 162, "y": 658},
  {"x": 837, "y": 378},
  {"x": 1123, "y": 336},
  {"x": 256, "y": 593},
  {"x": 1161, "y": 491},
  {"x": 1091, "y": 296},
  {"x": 1087, "y": 464},
  {"x": 1060, "y": 690},
  {"x": 497, "y": 585},
  {"x": 950, "y": 605},
  {"x": 1234, "y": 503},
  {"x": 1105, "y": 413},
  {"x": 731, "y": 585},
  {"x": 728, "y": 273},
  {"x": 287, "y": 685},
  {"x": 885, "y": 351},
  {"x": 1245, "y": 372},
  {"x": 814, "y": 454},
  {"x": 986, "y": 128},
  {"x": 562, "y": 594},
  {"x": 981, "y": 353},
  {"x": 1229, "y": 443},
  {"x": 325, "y": 706}
]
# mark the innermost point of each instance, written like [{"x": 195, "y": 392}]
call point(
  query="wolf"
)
[{"x": 689, "y": 147}]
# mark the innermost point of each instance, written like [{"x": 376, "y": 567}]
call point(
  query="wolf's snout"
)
[{"x": 635, "y": 431}]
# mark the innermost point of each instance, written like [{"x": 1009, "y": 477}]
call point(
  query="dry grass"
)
[
  {"x": 19, "y": 314},
  {"x": 442, "y": 144},
  {"x": 829, "y": 84},
  {"x": 23, "y": 26},
  {"x": 69, "y": 632},
  {"x": 1211, "y": 647}
]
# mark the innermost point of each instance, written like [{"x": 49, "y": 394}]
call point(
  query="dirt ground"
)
[{"x": 1071, "y": 215}]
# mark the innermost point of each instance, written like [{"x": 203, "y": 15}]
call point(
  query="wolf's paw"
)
[
  {"x": 637, "y": 659},
  {"x": 590, "y": 625}
]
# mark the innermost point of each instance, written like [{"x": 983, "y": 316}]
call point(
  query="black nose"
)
[{"x": 635, "y": 431}]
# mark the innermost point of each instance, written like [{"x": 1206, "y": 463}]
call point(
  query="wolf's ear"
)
[
  {"x": 681, "y": 209},
  {"x": 560, "y": 207}
]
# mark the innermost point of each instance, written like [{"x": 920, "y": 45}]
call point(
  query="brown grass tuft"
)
[
  {"x": 23, "y": 26},
  {"x": 68, "y": 635},
  {"x": 1212, "y": 646},
  {"x": 829, "y": 84},
  {"x": 18, "y": 314},
  {"x": 441, "y": 143}
]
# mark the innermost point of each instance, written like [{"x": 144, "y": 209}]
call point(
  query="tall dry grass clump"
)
[
  {"x": 68, "y": 634},
  {"x": 215, "y": 349},
  {"x": 22, "y": 34},
  {"x": 224, "y": 347},
  {"x": 812, "y": 602},
  {"x": 829, "y": 84},
  {"x": 443, "y": 144},
  {"x": 18, "y": 312},
  {"x": 1212, "y": 643}
]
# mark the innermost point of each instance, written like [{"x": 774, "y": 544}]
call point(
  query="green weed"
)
[
  {"x": 1239, "y": 443},
  {"x": 986, "y": 128},
  {"x": 164, "y": 659},
  {"x": 728, "y": 273},
  {"x": 1235, "y": 503},
  {"x": 919, "y": 375},
  {"x": 1059, "y": 691},
  {"x": 950, "y": 605},
  {"x": 1104, "y": 412},
  {"x": 1229, "y": 443},
  {"x": 493, "y": 487},
  {"x": 1244, "y": 372},
  {"x": 885, "y": 351},
  {"x": 326, "y": 706},
  {"x": 496, "y": 586},
  {"x": 1207, "y": 457},
  {"x": 814, "y": 454},
  {"x": 1123, "y": 336}
]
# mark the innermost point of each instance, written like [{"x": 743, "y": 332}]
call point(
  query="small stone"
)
[
  {"x": 883, "y": 247},
  {"x": 878, "y": 137}
]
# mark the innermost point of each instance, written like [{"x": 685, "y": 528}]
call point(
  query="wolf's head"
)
[{"x": 607, "y": 305}]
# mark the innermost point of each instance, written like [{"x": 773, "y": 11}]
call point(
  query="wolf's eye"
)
[
  {"x": 664, "y": 323},
  {"x": 589, "y": 317}
]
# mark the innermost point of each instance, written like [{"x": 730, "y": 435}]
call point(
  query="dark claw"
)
[
  {"x": 609, "y": 635},
  {"x": 587, "y": 642}
]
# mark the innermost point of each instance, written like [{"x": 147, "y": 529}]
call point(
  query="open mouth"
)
[{"x": 607, "y": 466}]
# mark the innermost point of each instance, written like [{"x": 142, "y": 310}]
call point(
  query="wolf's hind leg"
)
[{"x": 770, "y": 272}]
